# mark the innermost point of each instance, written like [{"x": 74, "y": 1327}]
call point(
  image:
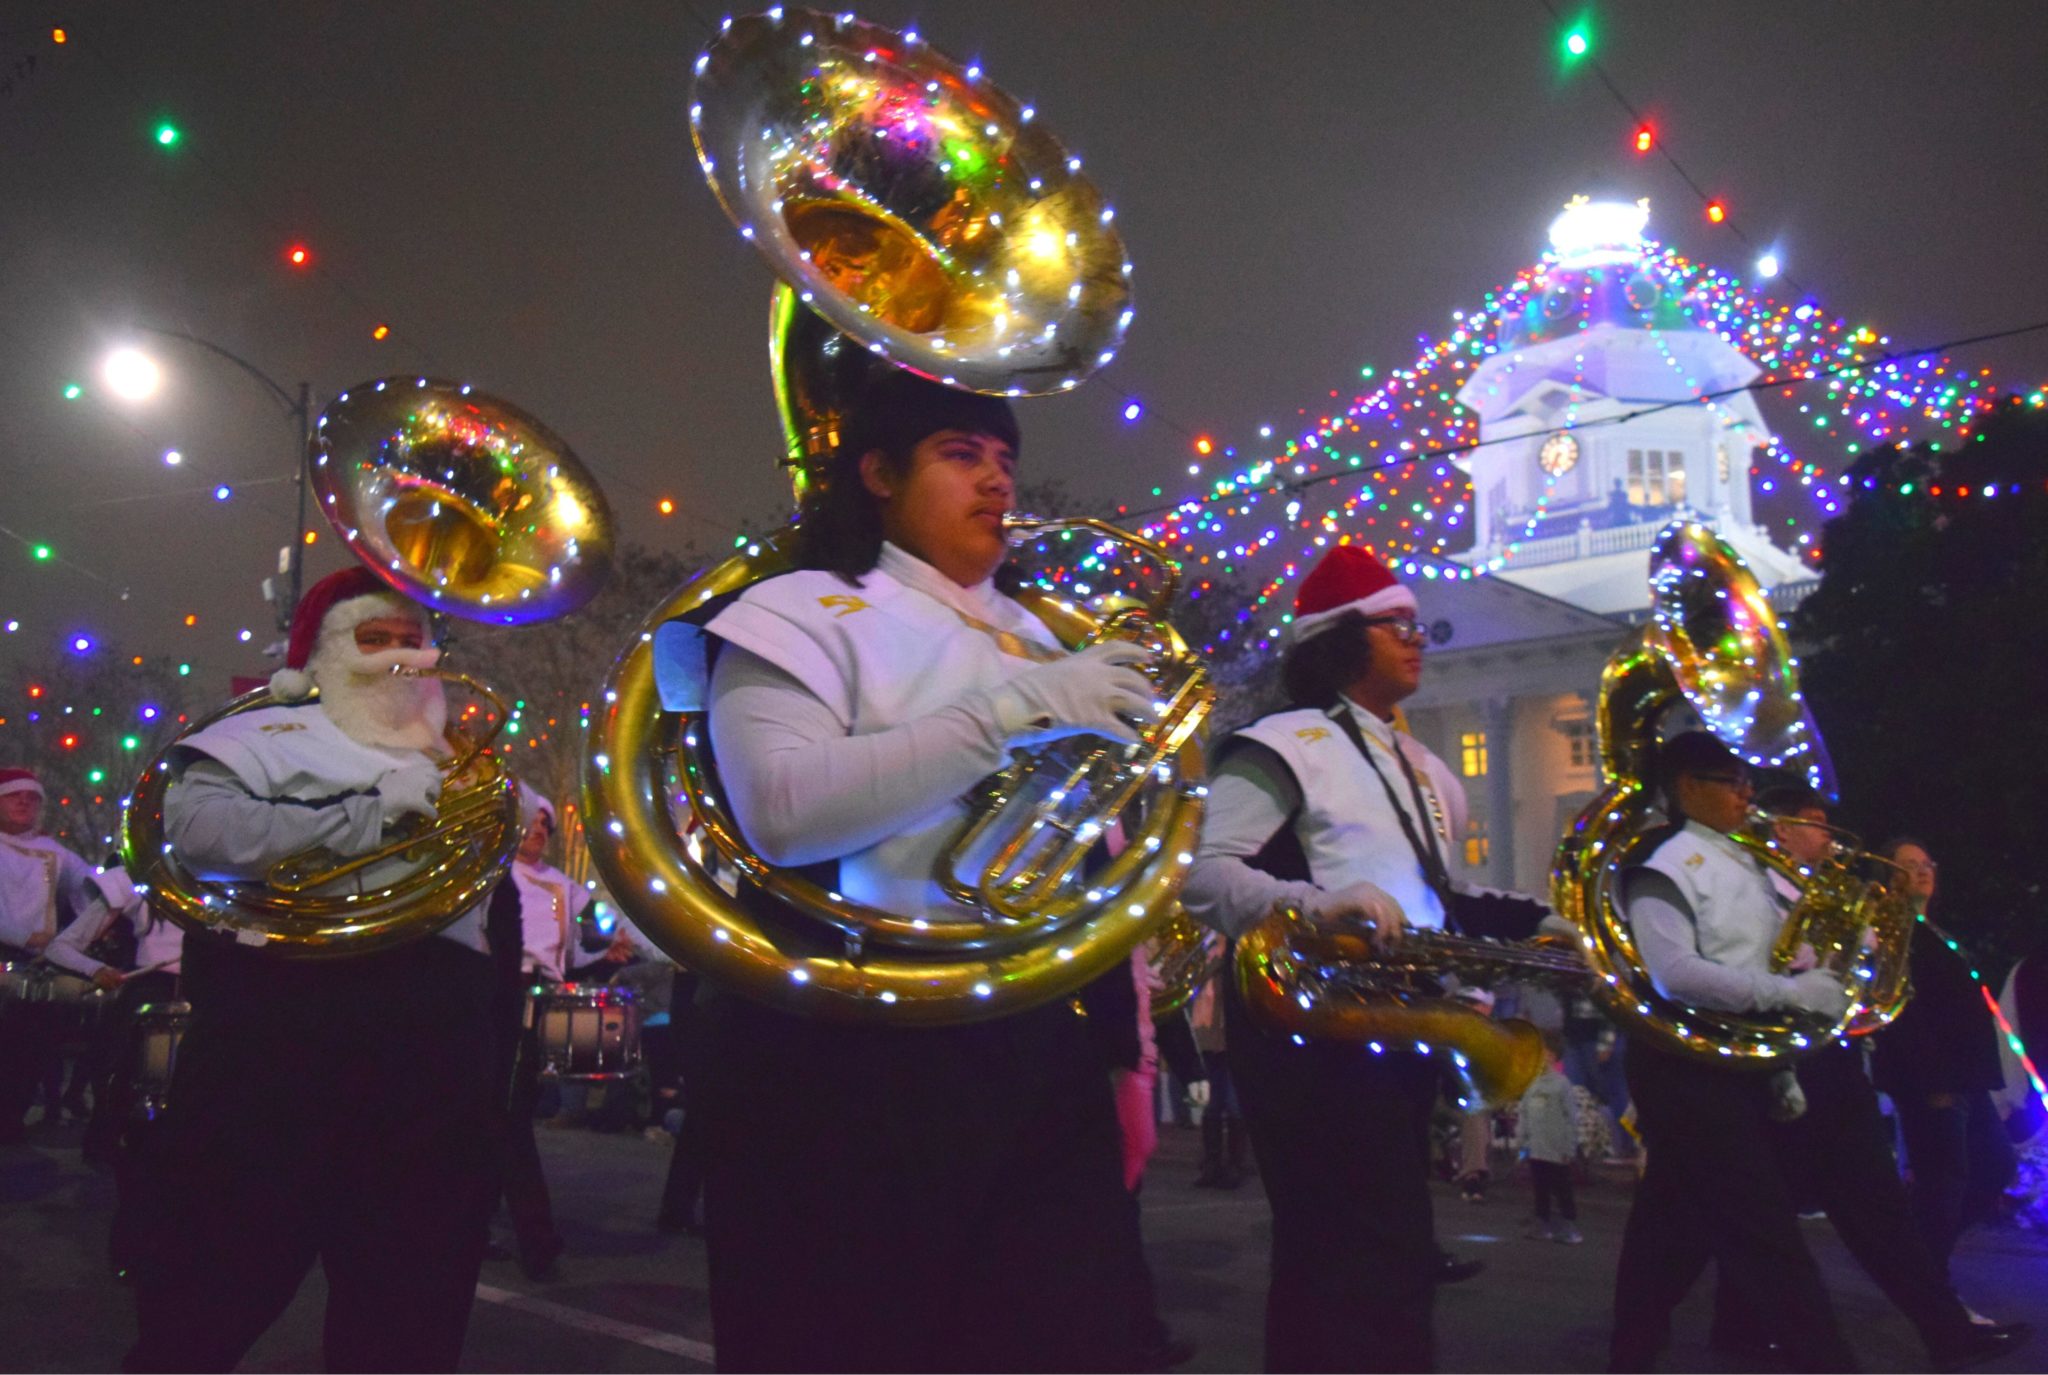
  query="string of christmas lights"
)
[{"x": 1397, "y": 440}]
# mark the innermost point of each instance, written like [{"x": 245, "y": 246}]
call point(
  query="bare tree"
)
[{"x": 88, "y": 724}]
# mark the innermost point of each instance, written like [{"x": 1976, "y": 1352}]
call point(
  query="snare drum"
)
[
  {"x": 16, "y": 976},
  {"x": 159, "y": 1028},
  {"x": 73, "y": 1005},
  {"x": 588, "y": 1033}
]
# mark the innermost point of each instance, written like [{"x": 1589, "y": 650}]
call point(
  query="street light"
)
[{"x": 133, "y": 375}]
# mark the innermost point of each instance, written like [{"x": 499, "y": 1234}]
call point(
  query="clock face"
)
[{"x": 1559, "y": 455}]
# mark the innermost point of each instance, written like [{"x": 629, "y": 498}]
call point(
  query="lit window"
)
[
  {"x": 1580, "y": 738},
  {"x": 1475, "y": 844},
  {"x": 1656, "y": 477},
  {"x": 1472, "y": 753}
]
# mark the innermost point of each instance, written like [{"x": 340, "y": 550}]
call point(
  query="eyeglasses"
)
[{"x": 1406, "y": 629}]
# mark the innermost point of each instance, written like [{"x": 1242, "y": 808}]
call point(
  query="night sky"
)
[{"x": 1305, "y": 188}]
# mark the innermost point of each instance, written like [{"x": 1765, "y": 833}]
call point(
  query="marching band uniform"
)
[
  {"x": 42, "y": 887},
  {"x": 1307, "y": 803},
  {"x": 1838, "y": 1153},
  {"x": 1705, "y": 917},
  {"x": 338, "y": 1110},
  {"x": 890, "y": 1196},
  {"x": 549, "y": 905},
  {"x": 159, "y": 942},
  {"x": 159, "y": 947}
]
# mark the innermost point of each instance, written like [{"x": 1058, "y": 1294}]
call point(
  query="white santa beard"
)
[{"x": 373, "y": 705}]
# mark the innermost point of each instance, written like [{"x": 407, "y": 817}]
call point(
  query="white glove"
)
[
  {"x": 1360, "y": 902},
  {"x": 1816, "y": 991},
  {"x": 409, "y": 790},
  {"x": 1082, "y": 694}
]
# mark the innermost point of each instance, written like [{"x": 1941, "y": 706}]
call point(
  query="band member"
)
[
  {"x": 159, "y": 944},
  {"x": 1838, "y": 1153},
  {"x": 549, "y": 904},
  {"x": 339, "y": 1110},
  {"x": 1705, "y": 917},
  {"x": 42, "y": 886},
  {"x": 896, "y": 1196},
  {"x": 1940, "y": 1063},
  {"x": 1330, "y": 808}
]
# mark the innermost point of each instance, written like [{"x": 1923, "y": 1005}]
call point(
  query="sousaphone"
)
[
  {"x": 918, "y": 216},
  {"x": 470, "y": 507}
]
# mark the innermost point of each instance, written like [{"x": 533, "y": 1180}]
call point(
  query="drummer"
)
[
  {"x": 549, "y": 904},
  {"x": 42, "y": 885},
  {"x": 159, "y": 944}
]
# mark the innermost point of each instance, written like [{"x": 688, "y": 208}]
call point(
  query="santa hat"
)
[
  {"x": 532, "y": 804},
  {"x": 20, "y": 781},
  {"x": 1348, "y": 578},
  {"x": 336, "y": 604}
]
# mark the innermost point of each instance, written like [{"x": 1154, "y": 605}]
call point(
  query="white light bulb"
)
[{"x": 131, "y": 374}]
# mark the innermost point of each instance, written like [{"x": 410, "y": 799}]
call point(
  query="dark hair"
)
[
  {"x": 1317, "y": 670},
  {"x": 1789, "y": 799},
  {"x": 1690, "y": 754},
  {"x": 1893, "y": 844},
  {"x": 839, "y": 528}
]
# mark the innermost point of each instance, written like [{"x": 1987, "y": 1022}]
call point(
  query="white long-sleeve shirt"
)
[
  {"x": 549, "y": 904},
  {"x": 1705, "y": 916},
  {"x": 159, "y": 941},
  {"x": 1353, "y": 825},
  {"x": 263, "y": 785},
  {"x": 849, "y": 720},
  {"x": 42, "y": 885}
]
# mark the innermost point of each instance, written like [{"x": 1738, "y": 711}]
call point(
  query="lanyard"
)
[{"x": 1430, "y": 857}]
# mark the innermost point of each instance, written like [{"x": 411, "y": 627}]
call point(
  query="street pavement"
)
[{"x": 630, "y": 1299}]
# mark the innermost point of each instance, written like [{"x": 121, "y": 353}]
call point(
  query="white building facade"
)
[{"x": 1593, "y": 438}]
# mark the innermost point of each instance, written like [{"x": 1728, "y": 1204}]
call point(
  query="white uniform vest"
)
[
  {"x": 298, "y": 754},
  {"x": 549, "y": 904},
  {"x": 879, "y": 655},
  {"x": 159, "y": 941},
  {"x": 35, "y": 871},
  {"x": 1349, "y": 831},
  {"x": 1736, "y": 908}
]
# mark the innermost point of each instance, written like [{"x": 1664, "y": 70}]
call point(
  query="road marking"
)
[{"x": 651, "y": 1337}]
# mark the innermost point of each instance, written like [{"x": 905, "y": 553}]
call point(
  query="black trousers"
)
[
  {"x": 1341, "y": 1137},
  {"x": 343, "y": 1111},
  {"x": 1713, "y": 1190},
  {"x": 1553, "y": 1181},
  {"x": 1962, "y": 1162},
  {"x": 1838, "y": 1153},
  {"x": 527, "y": 1199},
  {"x": 912, "y": 1198},
  {"x": 681, "y": 1066}
]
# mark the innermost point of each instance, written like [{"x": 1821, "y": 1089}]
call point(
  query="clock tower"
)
[{"x": 1593, "y": 435}]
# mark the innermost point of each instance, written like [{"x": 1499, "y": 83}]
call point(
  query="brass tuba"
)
[
  {"x": 918, "y": 217},
  {"x": 1714, "y": 643},
  {"x": 469, "y": 506}
]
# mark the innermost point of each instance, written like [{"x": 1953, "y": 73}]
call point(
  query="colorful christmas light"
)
[{"x": 1378, "y": 470}]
